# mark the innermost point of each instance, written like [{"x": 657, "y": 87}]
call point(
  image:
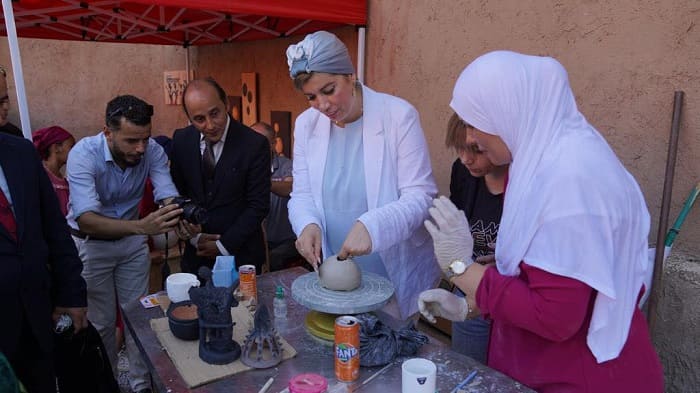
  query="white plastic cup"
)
[
  {"x": 178, "y": 284},
  {"x": 418, "y": 376}
]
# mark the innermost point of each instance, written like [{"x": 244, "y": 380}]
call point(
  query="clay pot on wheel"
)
[
  {"x": 338, "y": 275},
  {"x": 183, "y": 320}
]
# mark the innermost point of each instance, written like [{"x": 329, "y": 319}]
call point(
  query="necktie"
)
[
  {"x": 208, "y": 160},
  {"x": 7, "y": 219}
]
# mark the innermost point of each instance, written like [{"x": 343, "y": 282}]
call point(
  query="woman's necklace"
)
[{"x": 342, "y": 124}]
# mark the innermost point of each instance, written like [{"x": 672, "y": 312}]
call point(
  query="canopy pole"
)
[
  {"x": 17, "y": 68},
  {"x": 187, "y": 64},
  {"x": 657, "y": 278},
  {"x": 187, "y": 74},
  {"x": 360, "y": 54}
]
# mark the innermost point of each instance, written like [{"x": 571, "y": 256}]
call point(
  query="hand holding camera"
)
[
  {"x": 186, "y": 231},
  {"x": 191, "y": 212},
  {"x": 161, "y": 220}
]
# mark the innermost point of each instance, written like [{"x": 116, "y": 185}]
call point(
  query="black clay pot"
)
[{"x": 183, "y": 320}]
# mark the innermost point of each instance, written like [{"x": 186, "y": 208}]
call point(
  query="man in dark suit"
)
[
  {"x": 39, "y": 266},
  {"x": 223, "y": 167}
]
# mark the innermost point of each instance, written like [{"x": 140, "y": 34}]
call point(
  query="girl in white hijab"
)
[{"x": 572, "y": 247}]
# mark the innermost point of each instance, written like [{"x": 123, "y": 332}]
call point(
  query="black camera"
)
[{"x": 191, "y": 212}]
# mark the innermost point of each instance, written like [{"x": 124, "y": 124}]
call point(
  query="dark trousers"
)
[{"x": 282, "y": 254}]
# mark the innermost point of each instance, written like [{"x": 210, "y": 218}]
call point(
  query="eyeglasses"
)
[{"x": 129, "y": 112}]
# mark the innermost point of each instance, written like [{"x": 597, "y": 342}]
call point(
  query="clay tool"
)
[
  {"x": 462, "y": 384},
  {"x": 375, "y": 375},
  {"x": 266, "y": 385}
]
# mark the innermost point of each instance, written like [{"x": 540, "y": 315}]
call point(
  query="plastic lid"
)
[
  {"x": 279, "y": 293},
  {"x": 308, "y": 383}
]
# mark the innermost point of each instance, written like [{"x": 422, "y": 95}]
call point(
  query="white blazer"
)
[{"x": 400, "y": 188}]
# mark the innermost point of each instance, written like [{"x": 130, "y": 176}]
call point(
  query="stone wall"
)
[
  {"x": 69, "y": 83},
  {"x": 625, "y": 60},
  {"x": 678, "y": 323}
]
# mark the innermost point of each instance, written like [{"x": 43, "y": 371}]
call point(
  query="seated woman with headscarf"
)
[
  {"x": 53, "y": 144},
  {"x": 571, "y": 253},
  {"x": 362, "y": 176}
]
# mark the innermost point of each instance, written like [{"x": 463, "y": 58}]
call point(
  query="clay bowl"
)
[
  {"x": 183, "y": 320},
  {"x": 339, "y": 275}
]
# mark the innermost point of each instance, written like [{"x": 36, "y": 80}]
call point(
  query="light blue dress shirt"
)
[
  {"x": 345, "y": 192},
  {"x": 97, "y": 184}
]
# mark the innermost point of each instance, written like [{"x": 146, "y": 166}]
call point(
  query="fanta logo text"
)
[{"x": 344, "y": 352}]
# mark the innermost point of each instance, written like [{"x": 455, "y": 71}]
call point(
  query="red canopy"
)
[{"x": 181, "y": 22}]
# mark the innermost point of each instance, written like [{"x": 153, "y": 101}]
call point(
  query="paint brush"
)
[
  {"x": 375, "y": 375},
  {"x": 266, "y": 385},
  {"x": 462, "y": 384}
]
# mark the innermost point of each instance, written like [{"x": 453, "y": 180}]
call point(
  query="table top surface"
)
[{"x": 313, "y": 356}]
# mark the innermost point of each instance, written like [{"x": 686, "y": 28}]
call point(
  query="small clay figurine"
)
[{"x": 262, "y": 348}]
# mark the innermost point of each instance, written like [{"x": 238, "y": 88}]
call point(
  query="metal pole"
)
[
  {"x": 361, "y": 54},
  {"x": 187, "y": 63},
  {"x": 657, "y": 280},
  {"x": 17, "y": 68}
]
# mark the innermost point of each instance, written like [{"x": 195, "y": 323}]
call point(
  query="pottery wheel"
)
[{"x": 373, "y": 293}]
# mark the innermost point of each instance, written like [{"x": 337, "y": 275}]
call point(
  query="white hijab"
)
[{"x": 571, "y": 208}]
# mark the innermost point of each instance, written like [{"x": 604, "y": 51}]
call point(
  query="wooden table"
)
[{"x": 312, "y": 356}]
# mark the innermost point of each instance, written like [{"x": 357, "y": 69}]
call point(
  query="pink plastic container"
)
[{"x": 308, "y": 383}]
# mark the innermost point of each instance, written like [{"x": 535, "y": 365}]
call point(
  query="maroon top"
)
[
  {"x": 60, "y": 186},
  {"x": 538, "y": 336}
]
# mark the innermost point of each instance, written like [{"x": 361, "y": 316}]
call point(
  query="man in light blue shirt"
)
[{"x": 106, "y": 175}]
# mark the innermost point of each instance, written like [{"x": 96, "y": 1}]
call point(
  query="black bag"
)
[
  {"x": 82, "y": 364},
  {"x": 380, "y": 345}
]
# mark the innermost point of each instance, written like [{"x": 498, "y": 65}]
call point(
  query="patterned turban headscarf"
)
[
  {"x": 319, "y": 52},
  {"x": 45, "y": 137}
]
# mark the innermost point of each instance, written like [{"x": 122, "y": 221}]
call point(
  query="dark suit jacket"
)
[
  {"x": 11, "y": 129},
  {"x": 240, "y": 198},
  {"x": 42, "y": 269}
]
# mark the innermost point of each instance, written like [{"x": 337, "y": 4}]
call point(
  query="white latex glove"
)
[
  {"x": 452, "y": 238},
  {"x": 442, "y": 303}
]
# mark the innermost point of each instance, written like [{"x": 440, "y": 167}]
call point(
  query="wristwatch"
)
[{"x": 455, "y": 269}]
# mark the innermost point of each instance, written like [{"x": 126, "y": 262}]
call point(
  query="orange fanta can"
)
[
  {"x": 248, "y": 284},
  {"x": 347, "y": 348}
]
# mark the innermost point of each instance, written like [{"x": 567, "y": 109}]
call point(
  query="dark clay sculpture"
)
[
  {"x": 216, "y": 344},
  {"x": 262, "y": 348}
]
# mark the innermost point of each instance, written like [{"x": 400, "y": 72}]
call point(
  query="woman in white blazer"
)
[{"x": 362, "y": 176}]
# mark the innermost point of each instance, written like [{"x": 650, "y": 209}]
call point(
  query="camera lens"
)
[{"x": 191, "y": 211}]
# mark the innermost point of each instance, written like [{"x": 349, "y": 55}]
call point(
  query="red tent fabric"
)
[{"x": 181, "y": 22}]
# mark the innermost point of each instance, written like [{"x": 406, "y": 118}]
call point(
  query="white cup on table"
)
[
  {"x": 418, "y": 376},
  {"x": 178, "y": 284}
]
